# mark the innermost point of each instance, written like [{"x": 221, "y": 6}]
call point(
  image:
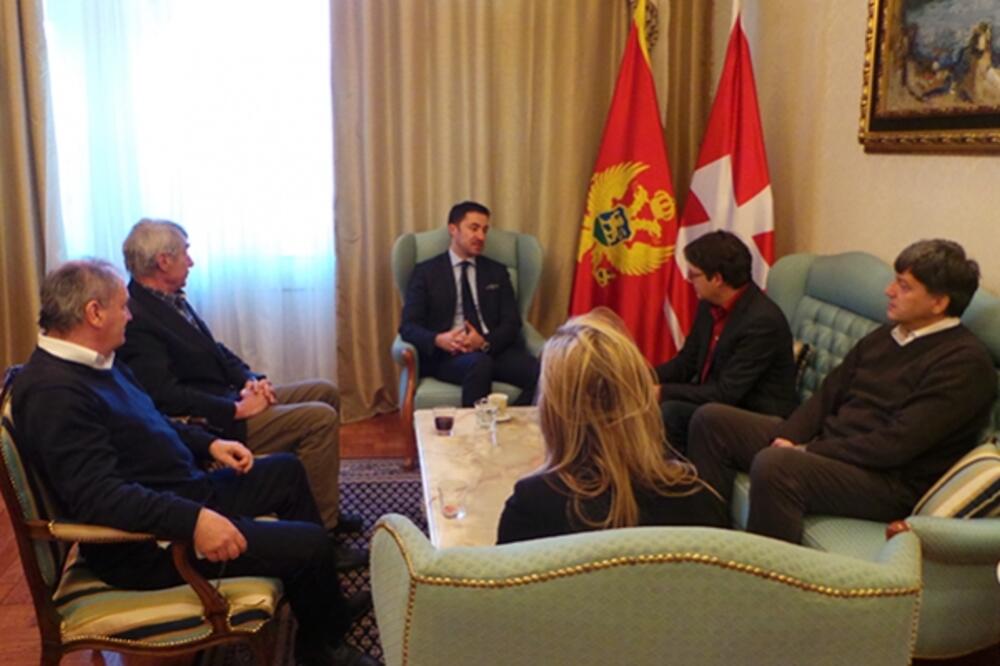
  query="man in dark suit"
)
[
  {"x": 461, "y": 315},
  {"x": 111, "y": 458},
  {"x": 739, "y": 351},
  {"x": 188, "y": 373}
]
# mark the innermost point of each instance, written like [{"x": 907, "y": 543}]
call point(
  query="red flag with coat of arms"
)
[
  {"x": 731, "y": 186},
  {"x": 629, "y": 228}
]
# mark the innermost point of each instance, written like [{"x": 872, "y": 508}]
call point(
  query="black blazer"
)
[
  {"x": 431, "y": 297},
  {"x": 753, "y": 366},
  {"x": 181, "y": 366},
  {"x": 541, "y": 507}
]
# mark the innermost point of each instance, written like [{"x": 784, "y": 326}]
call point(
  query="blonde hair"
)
[{"x": 601, "y": 421}]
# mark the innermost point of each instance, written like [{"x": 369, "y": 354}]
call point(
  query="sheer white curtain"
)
[{"x": 215, "y": 114}]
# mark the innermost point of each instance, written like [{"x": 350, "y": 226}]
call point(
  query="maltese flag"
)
[{"x": 730, "y": 187}]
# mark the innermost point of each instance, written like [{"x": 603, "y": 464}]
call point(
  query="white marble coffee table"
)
[{"x": 490, "y": 472}]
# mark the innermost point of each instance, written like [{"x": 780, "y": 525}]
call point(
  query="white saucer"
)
[{"x": 505, "y": 418}]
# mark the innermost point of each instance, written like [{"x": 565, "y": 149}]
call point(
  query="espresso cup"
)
[{"x": 499, "y": 400}]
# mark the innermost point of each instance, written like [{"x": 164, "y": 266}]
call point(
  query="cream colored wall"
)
[{"x": 830, "y": 196}]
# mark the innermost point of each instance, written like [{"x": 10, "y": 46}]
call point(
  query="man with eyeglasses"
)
[{"x": 739, "y": 350}]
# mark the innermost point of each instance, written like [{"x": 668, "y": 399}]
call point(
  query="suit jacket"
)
[
  {"x": 431, "y": 297},
  {"x": 541, "y": 506},
  {"x": 181, "y": 366},
  {"x": 753, "y": 366}
]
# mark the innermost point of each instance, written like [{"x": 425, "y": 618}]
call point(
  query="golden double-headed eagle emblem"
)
[{"x": 610, "y": 225}]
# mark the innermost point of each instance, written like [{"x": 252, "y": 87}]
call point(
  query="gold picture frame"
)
[{"x": 930, "y": 83}]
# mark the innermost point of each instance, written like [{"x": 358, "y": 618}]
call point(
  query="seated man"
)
[
  {"x": 187, "y": 373},
  {"x": 906, "y": 403},
  {"x": 739, "y": 351},
  {"x": 461, "y": 315},
  {"x": 111, "y": 458}
]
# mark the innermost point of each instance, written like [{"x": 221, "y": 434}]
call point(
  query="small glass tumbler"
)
[
  {"x": 452, "y": 496},
  {"x": 444, "y": 420},
  {"x": 486, "y": 413}
]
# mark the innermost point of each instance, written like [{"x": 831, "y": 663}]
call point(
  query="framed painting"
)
[{"x": 931, "y": 76}]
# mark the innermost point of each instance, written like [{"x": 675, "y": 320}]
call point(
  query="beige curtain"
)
[
  {"x": 689, "y": 91},
  {"x": 436, "y": 102},
  {"x": 28, "y": 195}
]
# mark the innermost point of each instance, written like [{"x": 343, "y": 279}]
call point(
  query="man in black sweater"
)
[
  {"x": 739, "y": 351},
  {"x": 906, "y": 403},
  {"x": 110, "y": 458}
]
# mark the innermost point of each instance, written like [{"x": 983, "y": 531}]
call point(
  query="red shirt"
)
[{"x": 720, "y": 315}]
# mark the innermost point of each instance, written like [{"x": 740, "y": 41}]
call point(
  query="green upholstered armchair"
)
[
  {"x": 831, "y": 302},
  {"x": 647, "y": 595},
  {"x": 77, "y": 611},
  {"x": 521, "y": 253}
]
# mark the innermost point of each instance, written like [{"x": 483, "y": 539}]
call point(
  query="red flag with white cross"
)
[{"x": 731, "y": 186}]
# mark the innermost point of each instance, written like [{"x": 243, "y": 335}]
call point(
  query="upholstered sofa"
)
[
  {"x": 641, "y": 596},
  {"x": 831, "y": 302}
]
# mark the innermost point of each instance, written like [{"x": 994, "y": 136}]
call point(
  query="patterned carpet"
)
[{"x": 370, "y": 488}]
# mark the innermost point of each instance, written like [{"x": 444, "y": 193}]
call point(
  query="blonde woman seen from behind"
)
[{"x": 605, "y": 463}]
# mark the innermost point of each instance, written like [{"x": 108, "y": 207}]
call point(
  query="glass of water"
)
[{"x": 486, "y": 414}]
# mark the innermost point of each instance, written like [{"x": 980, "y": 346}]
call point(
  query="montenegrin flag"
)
[
  {"x": 629, "y": 227},
  {"x": 730, "y": 187}
]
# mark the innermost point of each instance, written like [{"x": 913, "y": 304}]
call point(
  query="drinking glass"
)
[
  {"x": 486, "y": 413},
  {"x": 451, "y": 494},
  {"x": 444, "y": 420}
]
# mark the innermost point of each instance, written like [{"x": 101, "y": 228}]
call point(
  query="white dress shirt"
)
[
  {"x": 74, "y": 353},
  {"x": 903, "y": 338}
]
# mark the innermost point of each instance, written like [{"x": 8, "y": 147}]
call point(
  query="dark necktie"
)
[
  {"x": 468, "y": 303},
  {"x": 179, "y": 301}
]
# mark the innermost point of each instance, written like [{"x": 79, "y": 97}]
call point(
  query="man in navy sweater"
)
[
  {"x": 907, "y": 402},
  {"x": 111, "y": 458}
]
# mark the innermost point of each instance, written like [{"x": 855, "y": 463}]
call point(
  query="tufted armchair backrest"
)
[
  {"x": 833, "y": 301},
  {"x": 520, "y": 253}
]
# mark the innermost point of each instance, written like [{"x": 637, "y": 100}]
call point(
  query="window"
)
[{"x": 215, "y": 114}]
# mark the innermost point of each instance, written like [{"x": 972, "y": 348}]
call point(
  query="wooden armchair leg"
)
[
  {"x": 51, "y": 654},
  {"x": 410, "y": 461},
  {"x": 406, "y": 410}
]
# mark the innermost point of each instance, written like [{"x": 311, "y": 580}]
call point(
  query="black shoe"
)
[
  {"x": 349, "y": 559},
  {"x": 345, "y": 655},
  {"x": 349, "y": 523},
  {"x": 359, "y": 605}
]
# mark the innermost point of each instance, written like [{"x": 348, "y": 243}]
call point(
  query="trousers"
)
[
  {"x": 786, "y": 484},
  {"x": 295, "y": 548},
  {"x": 476, "y": 372},
  {"x": 306, "y": 422}
]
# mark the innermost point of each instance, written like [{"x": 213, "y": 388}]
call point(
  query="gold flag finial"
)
[{"x": 652, "y": 21}]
